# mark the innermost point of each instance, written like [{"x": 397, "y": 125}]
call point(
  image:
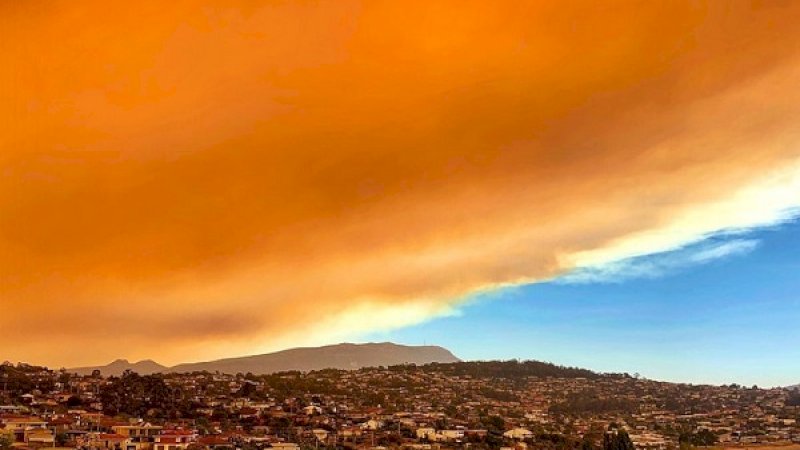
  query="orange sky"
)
[{"x": 189, "y": 180}]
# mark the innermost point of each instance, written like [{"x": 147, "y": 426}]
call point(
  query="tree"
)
[
  {"x": 495, "y": 426},
  {"x": 794, "y": 398},
  {"x": 703, "y": 438},
  {"x": 617, "y": 441},
  {"x": 247, "y": 390},
  {"x": 74, "y": 401},
  {"x": 64, "y": 377},
  {"x": 137, "y": 395},
  {"x": 5, "y": 443},
  {"x": 61, "y": 439}
]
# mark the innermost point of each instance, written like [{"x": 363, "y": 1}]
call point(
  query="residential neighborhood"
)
[{"x": 507, "y": 405}]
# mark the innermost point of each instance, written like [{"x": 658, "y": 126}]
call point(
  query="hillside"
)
[
  {"x": 340, "y": 356},
  {"x": 144, "y": 367}
]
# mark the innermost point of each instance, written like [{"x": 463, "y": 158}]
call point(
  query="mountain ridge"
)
[{"x": 346, "y": 356}]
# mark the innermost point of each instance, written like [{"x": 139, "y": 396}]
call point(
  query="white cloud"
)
[
  {"x": 731, "y": 248},
  {"x": 659, "y": 264},
  {"x": 772, "y": 200}
]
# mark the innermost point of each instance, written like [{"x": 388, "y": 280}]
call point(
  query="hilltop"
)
[{"x": 340, "y": 356}]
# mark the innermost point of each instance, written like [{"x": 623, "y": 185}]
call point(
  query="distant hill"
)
[
  {"x": 145, "y": 367},
  {"x": 340, "y": 356}
]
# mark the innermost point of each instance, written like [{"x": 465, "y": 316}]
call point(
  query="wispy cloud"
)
[
  {"x": 725, "y": 249},
  {"x": 660, "y": 264}
]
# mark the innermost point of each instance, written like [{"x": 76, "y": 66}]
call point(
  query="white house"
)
[{"x": 518, "y": 433}]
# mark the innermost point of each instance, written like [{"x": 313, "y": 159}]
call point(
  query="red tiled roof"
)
[
  {"x": 60, "y": 421},
  {"x": 213, "y": 440},
  {"x": 22, "y": 419},
  {"x": 177, "y": 433}
]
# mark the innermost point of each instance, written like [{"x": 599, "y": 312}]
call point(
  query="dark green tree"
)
[
  {"x": 61, "y": 439},
  {"x": 74, "y": 402},
  {"x": 794, "y": 398},
  {"x": 617, "y": 441}
]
